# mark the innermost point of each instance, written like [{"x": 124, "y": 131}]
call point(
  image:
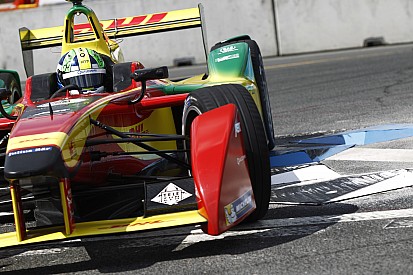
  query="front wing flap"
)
[
  {"x": 220, "y": 170},
  {"x": 104, "y": 227}
]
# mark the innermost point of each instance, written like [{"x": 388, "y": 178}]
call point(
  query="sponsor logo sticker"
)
[
  {"x": 241, "y": 159},
  {"x": 72, "y": 149},
  {"x": 237, "y": 128},
  {"x": 227, "y": 57},
  {"x": 228, "y": 49},
  {"x": 28, "y": 151},
  {"x": 171, "y": 195},
  {"x": 134, "y": 224},
  {"x": 238, "y": 208},
  {"x": 62, "y": 102}
]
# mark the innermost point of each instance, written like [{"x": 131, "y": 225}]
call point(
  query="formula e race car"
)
[
  {"x": 7, "y": 5},
  {"x": 145, "y": 153}
]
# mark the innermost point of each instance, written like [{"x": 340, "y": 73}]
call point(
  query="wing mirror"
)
[
  {"x": 5, "y": 94},
  {"x": 142, "y": 75},
  {"x": 150, "y": 74}
]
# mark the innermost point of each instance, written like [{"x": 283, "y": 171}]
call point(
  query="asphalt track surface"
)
[{"x": 369, "y": 230}]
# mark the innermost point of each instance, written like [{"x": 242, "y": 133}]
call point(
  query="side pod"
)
[{"x": 219, "y": 168}]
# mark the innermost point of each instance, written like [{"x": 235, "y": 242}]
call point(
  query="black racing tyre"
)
[
  {"x": 261, "y": 81},
  {"x": 205, "y": 99},
  {"x": 12, "y": 85},
  {"x": 260, "y": 78}
]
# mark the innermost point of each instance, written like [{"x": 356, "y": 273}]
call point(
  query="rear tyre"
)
[
  {"x": 206, "y": 99},
  {"x": 12, "y": 85}
]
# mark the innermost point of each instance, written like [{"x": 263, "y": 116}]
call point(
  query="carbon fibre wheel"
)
[{"x": 205, "y": 99}]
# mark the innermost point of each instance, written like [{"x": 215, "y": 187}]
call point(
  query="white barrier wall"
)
[
  {"x": 318, "y": 25},
  {"x": 300, "y": 26}
]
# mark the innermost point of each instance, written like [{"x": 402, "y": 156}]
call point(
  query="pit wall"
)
[{"x": 280, "y": 27}]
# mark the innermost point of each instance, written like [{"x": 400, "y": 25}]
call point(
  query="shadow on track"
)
[{"x": 134, "y": 253}]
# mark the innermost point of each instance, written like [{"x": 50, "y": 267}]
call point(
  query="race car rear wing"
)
[{"x": 113, "y": 28}]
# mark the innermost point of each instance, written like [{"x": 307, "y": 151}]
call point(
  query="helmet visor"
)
[{"x": 92, "y": 78}]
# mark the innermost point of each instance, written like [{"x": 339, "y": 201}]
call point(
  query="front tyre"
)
[
  {"x": 260, "y": 81},
  {"x": 255, "y": 142}
]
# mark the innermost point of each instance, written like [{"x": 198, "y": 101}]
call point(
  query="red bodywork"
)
[
  {"x": 18, "y": 4},
  {"x": 113, "y": 109}
]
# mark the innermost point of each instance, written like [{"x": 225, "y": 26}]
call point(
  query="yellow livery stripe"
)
[
  {"x": 105, "y": 227},
  {"x": 160, "y": 121},
  {"x": 38, "y": 140}
]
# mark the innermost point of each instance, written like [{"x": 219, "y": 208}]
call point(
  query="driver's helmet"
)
[{"x": 83, "y": 67}]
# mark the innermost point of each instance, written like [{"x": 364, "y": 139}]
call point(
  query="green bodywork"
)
[
  {"x": 227, "y": 64},
  {"x": 231, "y": 61}
]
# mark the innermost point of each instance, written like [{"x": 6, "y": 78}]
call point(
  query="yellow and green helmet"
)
[{"x": 83, "y": 67}]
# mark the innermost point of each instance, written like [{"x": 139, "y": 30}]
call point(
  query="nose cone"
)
[
  {"x": 35, "y": 161},
  {"x": 34, "y": 155}
]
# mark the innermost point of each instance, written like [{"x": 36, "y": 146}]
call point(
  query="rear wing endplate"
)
[{"x": 113, "y": 28}]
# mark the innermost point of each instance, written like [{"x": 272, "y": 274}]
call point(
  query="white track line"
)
[
  {"x": 283, "y": 224},
  {"x": 405, "y": 179},
  {"x": 197, "y": 235},
  {"x": 278, "y": 227},
  {"x": 375, "y": 154},
  {"x": 310, "y": 173},
  {"x": 354, "y": 217}
]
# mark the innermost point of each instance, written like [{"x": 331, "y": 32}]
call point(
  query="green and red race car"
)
[
  {"x": 144, "y": 153},
  {"x": 7, "y": 5}
]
